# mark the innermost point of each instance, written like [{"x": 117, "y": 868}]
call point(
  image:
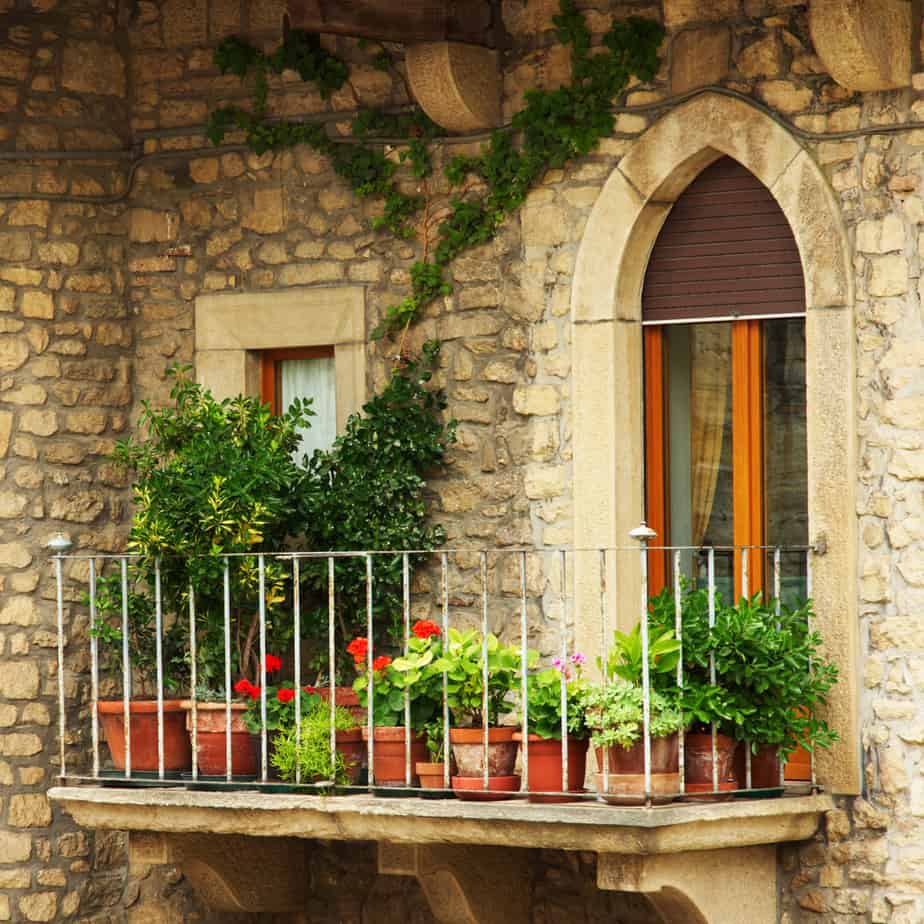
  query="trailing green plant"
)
[
  {"x": 215, "y": 486},
  {"x": 614, "y": 713},
  {"x": 464, "y": 661},
  {"x": 553, "y": 128},
  {"x": 367, "y": 492},
  {"x": 771, "y": 675},
  {"x": 544, "y": 694},
  {"x": 312, "y": 754}
]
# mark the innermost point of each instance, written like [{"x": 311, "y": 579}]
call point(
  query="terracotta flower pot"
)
[
  {"x": 211, "y": 739},
  {"x": 432, "y": 775},
  {"x": 625, "y": 783},
  {"x": 348, "y": 698},
  {"x": 545, "y": 767},
  {"x": 697, "y": 765},
  {"x": 468, "y": 751},
  {"x": 765, "y": 766},
  {"x": 389, "y": 758},
  {"x": 473, "y": 789},
  {"x": 350, "y": 746},
  {"x": 143, "y": 729}
]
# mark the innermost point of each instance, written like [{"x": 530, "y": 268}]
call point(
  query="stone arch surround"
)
[{"x": 607, "y": 363}]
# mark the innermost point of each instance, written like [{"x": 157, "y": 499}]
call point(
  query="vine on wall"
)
[{"x": 554, "y": 127}]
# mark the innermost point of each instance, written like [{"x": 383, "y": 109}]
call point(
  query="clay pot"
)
[
  {"x": 697, "y": 765},
  {"x": 211, "y": 734},
  {"x": 350, "y": 746},
  {"x": 765, "y": 766},
  {"x": 468, "y": 751},
  {"x": 389, "y": 758},
  {"x": 625, "y": 784},
  {"x": 431, "y": 775},
  {"x": 349, "y": 699},
  {"x": 143, "y": 729},
  {"x": 545, "y": 767},
  {"x": 473, "y": 789}
]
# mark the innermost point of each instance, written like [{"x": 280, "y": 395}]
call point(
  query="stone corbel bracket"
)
[
  {"x": 457, "y": 85},
  {"x": 464, "y": 885},
  {"x": 867, "y": 44}
]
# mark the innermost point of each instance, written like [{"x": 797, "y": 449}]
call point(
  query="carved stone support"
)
[
  {"x": 464, "y": 885},
  {"x": 865, "y": 44},
  {"x": 698, "y": 887},
  {"x": 232, "y": 873},
  {"x": 457, "y": 85}
]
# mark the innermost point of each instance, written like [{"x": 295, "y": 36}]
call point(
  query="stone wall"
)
[{"x": 96, "y": 299}]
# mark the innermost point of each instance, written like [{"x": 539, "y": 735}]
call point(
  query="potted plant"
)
[
  {"x": 411, "y": 679},
  {"x": 307, "y": 756},
  {"x": 143, "y": 710},
  {"x": 614, "y": 713},
  {"x": 774, "y": 662},
  {"x": 432, "y": 772},
  {"x": 215, "y": 487},
  {"x": 545, "y": 759},
  {"x": 464, "y": 661}
]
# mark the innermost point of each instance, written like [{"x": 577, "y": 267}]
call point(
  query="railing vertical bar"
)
[
  {"x": 62, "y": 714},
  {"x": 809, "y": 590},
  {"x": 778, "y": 583},
  {"x": 524, "y": 682},
  {"x": 94, "y": 671},
  {"x": 710, "y": 583},
  {"x": 646, "y": 678},
  {"x": 193, "y": 682},
  {"x": 331, "y": 659},
  {"x": 563, "y": 575},
  {"x": 484, "y": 662},
  {"x": 159, "y": 657},
  {"x": 406, "y": 612},
  {"x": 227, "y": 631},
  {"x": 745, "y": 588},
  {"x": 605, "y": 648},
  {"x": 678, "y": 632},
  {"x": 297, "y": 656},
  {"x": 126, "y": 672},
  {"x": 447, "y": 753},
  {"x": 261, "y": 572},
  {"x": 370, "y": 679}
]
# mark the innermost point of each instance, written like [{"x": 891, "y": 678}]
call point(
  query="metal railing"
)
[{"x": 553, "y": 625}]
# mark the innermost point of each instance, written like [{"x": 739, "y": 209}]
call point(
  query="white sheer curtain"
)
[{"x": 312, "y": 378}]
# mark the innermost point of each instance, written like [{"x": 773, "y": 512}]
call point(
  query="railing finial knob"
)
[
  {"x": 643, "y": 533},
  {"x": 59, "y": 543}
]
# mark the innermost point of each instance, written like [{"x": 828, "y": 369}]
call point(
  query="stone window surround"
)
[
  {"x": 607, "y": 362},
  {"x": 232, "y": 328}
]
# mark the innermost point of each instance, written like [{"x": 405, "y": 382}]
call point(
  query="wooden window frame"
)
[
  {"x": 269, "y": 369},
  {"x": 748, "y": 467}
]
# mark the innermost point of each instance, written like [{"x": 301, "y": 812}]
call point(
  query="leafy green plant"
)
[
  {"x": 543, "y": 697},
  {"x": 553, "y": 128},
  {"x": 312, "y": 753},
  {"x": 413, "y": 676},
  {"x": 615, "y": 714},
  {"x": 435, "y": 731},
  {"x": 215, "y": 479},
  {"x": 771, "y": 675},
  {"x": 627, "y": 657},
  {"x": 367, "y": 492},
  {"x": 464, "y": 662}
]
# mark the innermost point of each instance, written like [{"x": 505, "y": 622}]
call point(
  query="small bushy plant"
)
[
  {"x": 312, "y": 754},
  {"x": 615, "y": 714},
  {"x": 543, "y": 696}
]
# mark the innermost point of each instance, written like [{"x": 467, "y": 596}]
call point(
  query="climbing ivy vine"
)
[{"x": 553, "y": 128}]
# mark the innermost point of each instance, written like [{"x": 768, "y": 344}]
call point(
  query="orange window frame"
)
[
  {"x": 270, "y": 360},
  {"x": 747, "y": 459}
]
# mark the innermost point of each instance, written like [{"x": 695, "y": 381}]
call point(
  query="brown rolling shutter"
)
[{"x": 725, "y": 251}]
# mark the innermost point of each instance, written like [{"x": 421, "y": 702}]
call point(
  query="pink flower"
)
[{"x": 578, "y": 659}]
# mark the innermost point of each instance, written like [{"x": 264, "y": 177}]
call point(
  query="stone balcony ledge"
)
[{"x": 573, "y": 826}]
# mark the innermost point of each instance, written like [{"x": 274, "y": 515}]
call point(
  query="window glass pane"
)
[
  {"x": 699, "y": 396},
  {"x": 311, "y": 378},
  {"x": 785, "y": 452}
]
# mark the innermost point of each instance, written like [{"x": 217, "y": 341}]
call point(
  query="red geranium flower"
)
[
  {"x": 273, "y": 663},
  {"x": 424, "y": 628},
  {"x": 285, "y": 695},
  {"x": 311, "y": 691},
  {"x": 358, "y": 648},
  {"x": 380, "y": 663},
  {"x": 244, "y": 687}
]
